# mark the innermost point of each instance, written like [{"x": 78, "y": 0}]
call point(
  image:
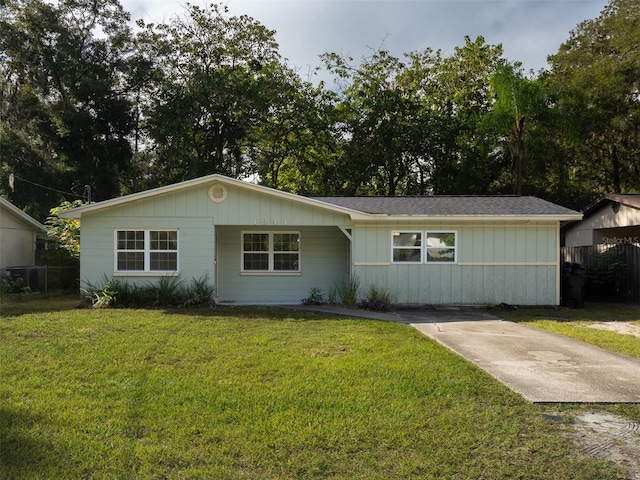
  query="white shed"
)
[
  {"x": 17, "y": 236},
  {"x": 613, "y": 219}
]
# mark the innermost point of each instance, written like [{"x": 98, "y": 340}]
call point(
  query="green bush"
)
[
  {"x": 377, "y": 299},
  {"x": 167, "y": 292},
  {"x": 200, "y": 293},
  {"x": 316, "y": 297}
]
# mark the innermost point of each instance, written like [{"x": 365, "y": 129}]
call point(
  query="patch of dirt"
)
[
  {"x": 608, "y": 436},
  {"x": 623, "y": 328}
]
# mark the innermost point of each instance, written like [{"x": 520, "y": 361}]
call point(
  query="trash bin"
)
[
  {"x": 574, "y": 277},
  {"x": 22, "y": 277}
]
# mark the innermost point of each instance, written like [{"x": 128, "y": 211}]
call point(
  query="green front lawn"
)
[{"x": 258, "y": 393}]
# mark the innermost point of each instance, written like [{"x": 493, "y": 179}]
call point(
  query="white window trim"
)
[
  {"x": 147, "y": 272},
  {"x": 424, "y": 258},
  {"x": 394, "y": 248},
  {"x": 270, "y": 252},
  {"x": 454, "y": 248}
]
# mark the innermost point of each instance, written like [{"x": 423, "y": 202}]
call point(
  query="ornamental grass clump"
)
[{"x": 345, "y": 292}]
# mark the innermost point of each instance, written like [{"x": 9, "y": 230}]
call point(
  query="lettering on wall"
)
[
  {"x": 619, "y": 240},
  {"x": 269, "y": 221}
]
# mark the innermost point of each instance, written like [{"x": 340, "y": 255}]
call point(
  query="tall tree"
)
[
  {"x": 598, "y": 68},
  {"x": 454, "y": 93},
  {"x": 296, "y": 147},
  {"x": 66, "y": 116},
  {"x": 215, "y": 81},
  {"x": 382, "y": 121},
  {"x": 517, "y": 102}
]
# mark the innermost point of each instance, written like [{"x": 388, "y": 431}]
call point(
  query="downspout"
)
[
  {"x": 348, "y": 232},
  {"x": 557, "y": 264},
  {"x": 215, "y": 263}
]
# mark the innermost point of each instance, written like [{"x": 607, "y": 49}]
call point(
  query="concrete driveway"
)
[{"x": 540, "y": 366}]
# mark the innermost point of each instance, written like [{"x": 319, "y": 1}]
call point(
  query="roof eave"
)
[
  {"x": 609, "y": 198},
  {"x": 22, "y": 215},
  {"x": 76, "y": 213},
  {"x": 470, "y": 218}
]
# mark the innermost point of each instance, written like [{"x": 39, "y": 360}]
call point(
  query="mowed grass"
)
[{"x": 258, "y": 393}]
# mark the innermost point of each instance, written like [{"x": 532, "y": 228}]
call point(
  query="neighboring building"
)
[
  {"x": 260, "y": 245},
  {"x": 612, "y": 219},
  {"x": 17, "y": 236}
]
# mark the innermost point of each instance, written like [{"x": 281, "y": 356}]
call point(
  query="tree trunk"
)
[{"x": 517, "y": 153}]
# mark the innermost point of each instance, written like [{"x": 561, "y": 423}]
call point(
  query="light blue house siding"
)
[
  {"x": 210, "y": 242},
  {"x": 195, "y": 257},
  {"x": 496, "y": 263},
  {"x": 506, "y": 249},
  {"x": 324, "y": 259}
]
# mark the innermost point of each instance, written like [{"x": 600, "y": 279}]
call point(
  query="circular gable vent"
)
[
  {"x": 615, "y": 207},
  {"x": 217, "y": 193}
]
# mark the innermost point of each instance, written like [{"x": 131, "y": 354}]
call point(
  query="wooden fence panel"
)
[{"x": 613, "y": 271}]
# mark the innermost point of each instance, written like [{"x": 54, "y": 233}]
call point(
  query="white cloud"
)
[{"x": 529, "y": 30}]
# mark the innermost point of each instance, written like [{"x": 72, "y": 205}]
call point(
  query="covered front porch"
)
[{"x": 270, "y": 264}]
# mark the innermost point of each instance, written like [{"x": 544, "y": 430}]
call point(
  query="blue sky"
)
[{"x": 529, "y": 30}]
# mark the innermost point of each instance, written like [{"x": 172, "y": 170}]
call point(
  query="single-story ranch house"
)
[{"x": 260, "y": 245}]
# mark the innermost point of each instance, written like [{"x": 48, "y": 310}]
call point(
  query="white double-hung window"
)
[
  {"x": 424, "y": 247},
  {"x": 146, "y": 251},
  {"x": 407, "y": 247},
  {"x": 270, "y": 252}
]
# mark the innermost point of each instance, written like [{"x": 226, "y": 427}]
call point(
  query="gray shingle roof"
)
[{"x": 450, "y": 205}]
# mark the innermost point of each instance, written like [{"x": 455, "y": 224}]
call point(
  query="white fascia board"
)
[{"x": 467, "y": 218}]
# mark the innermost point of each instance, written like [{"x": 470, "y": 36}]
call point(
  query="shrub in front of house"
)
[
  {"x": 315, "y": 297},
  {"x": 345, "y": 292},
  {"x": 167, "y": 292},
  {"x": 378, "y": 299}
]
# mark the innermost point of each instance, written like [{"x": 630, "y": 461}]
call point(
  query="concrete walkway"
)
[{"x": 541, "y": 366}]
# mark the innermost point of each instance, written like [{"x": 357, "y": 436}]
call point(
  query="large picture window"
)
[
  {"x": 437, "y": 247},
  {"x": 270, "y": 252},
  {"x": 146, "y": 251}
]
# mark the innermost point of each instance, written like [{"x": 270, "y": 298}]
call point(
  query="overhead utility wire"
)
[{"x": 87, "y": 188}]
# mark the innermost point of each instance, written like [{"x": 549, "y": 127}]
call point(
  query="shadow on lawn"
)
[
  {"x": 20, "y": 453},
  {"x": 13, "y": 306},
  {"x": 270, "y": 312},
  {"x": 593, "y": 312}
]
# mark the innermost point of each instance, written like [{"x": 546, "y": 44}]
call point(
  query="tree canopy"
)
[
  {"x": 65, "y": 113},
  {"x": 88, "y": 104}
]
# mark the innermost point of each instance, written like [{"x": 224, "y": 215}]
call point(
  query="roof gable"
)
[
  {"x": 630, "y": 200},
  {"x": 198, "y": 183},
  {"x": 6, "y": 205}
]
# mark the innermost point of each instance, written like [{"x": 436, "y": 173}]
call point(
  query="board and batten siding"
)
[
  {"x": 196, "y": 252},
  {"x": 199, "y": 220},
  {"x": 324, "y": 260},
  {"x": 240, "y": 207},
  {"x": 496, "y": 263}
]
